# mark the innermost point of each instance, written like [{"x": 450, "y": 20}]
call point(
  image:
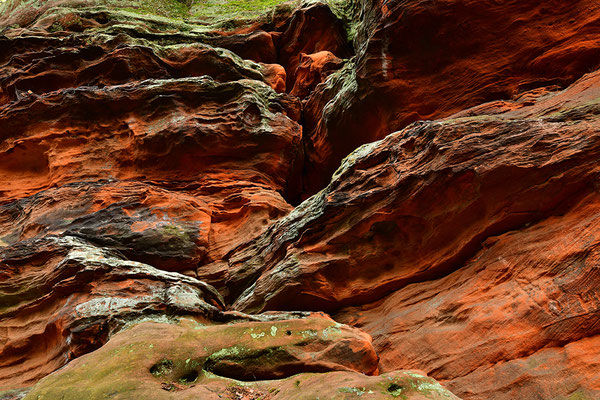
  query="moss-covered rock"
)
[
  {"x": 302, "y": 358},
  {"x": 182, "y": 15}
]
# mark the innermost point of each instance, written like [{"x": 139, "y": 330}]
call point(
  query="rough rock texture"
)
[
  {"x": 482, "y": 227},
  {"x": 420, "y": 202},
  {"x": 526, "y": 303},
  {"x": 424, "y": 171},
  {"x": 428, "y": 59},
  {"x": 177, "y": 138},
  {"x": 62, "y": 297},
  {"x": 312, "y": 70}
]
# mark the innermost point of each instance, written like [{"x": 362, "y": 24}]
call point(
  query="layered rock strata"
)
[{"x": 186, "y": 187}]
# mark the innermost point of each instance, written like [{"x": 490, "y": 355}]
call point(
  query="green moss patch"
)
[
  {"x": 231, "y": 8},
  {"x": 165, "y": 8},
  {"x": 201, "y": 10},
  {"x": 394, "y": 389}
]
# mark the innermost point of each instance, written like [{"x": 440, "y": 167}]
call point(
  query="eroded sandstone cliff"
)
[{"x": 186, "y": 187}]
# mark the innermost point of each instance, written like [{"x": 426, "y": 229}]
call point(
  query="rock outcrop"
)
[
  {"x": 420, "y": 203},
  {"x": 273, "y": 360},
  {"x": 62, "y": 298},
  {"x": 186, "y": 188}
]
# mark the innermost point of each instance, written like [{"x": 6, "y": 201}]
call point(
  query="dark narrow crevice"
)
[{"x": 302, "y": 34}]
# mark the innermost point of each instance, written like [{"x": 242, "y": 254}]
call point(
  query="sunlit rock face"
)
[{"x": 187, "y": 188}]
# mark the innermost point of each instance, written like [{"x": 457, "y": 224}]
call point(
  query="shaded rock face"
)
[
  {"x": 153, "y": 159},
  {"x": 418, "y": 60}
]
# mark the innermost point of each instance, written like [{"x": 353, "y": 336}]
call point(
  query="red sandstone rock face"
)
[
  {"x": 521, "y": 317},
  {"x": 45, "y": 68},
  {"x": 483, "y": 230},
  {"x": 420, "y": 202},
  {"x": 118, "y": 150},
  {"x": 425, "y": 60},
  {"x": 312, "y": 70},
  {"x": 311, "y": 30},
  {"x": 187, "y": 140},
  {"x": 148, "y": 168},
  {"x": 62, "y": 297}
]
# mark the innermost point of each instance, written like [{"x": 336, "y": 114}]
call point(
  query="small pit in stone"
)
[
  {"x": 394, "y": 388},
  {"x": 289, "y": 333},
  {"x": 252, "y": 115},
  {"x": 189, "y": 377},
  {"x": 163, "y": 367}
]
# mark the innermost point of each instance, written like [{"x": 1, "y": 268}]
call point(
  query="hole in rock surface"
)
[
  {"x": 189, "y": 377},
  {"x": 394, "y": 388},
  {"x": 163, "y": 367}
]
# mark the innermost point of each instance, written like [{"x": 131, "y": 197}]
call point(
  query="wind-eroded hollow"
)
[
  {"x": 268, "y": 364},
  {"x": 179, "y": 372},
  {"x": 161, "y": 368}
]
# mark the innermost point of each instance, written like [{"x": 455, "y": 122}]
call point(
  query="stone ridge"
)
[{"x": 277, "y": 360}]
